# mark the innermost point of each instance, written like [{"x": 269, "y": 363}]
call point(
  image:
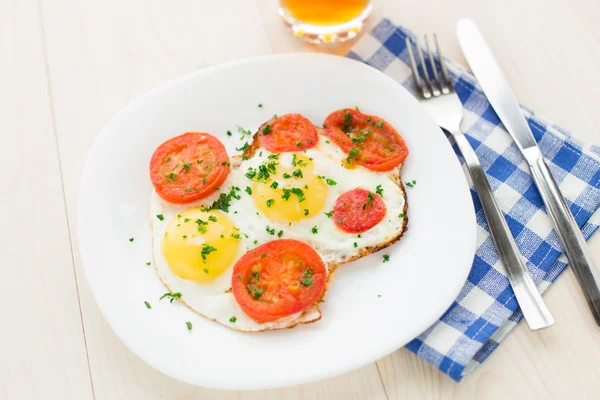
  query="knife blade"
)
[{"x": 498, "y": 91}]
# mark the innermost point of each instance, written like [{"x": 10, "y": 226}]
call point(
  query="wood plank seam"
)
[{"x": 62, "y": 184}]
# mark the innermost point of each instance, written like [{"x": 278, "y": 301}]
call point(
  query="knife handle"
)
[
  {"x": 532, "y": 305},
  {"x": 570, "y": 235}
]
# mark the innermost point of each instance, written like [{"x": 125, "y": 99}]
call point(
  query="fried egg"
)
[{"x": 289, "y": 195}]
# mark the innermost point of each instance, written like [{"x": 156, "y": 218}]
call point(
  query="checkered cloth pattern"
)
[{"x": 486, "y": 309}]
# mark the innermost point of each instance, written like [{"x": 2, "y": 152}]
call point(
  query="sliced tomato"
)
[
  {"x": 189, "y": 167},
  {"x": 358, "y": 210},
  {"x": 368, "y": 140},
  {"x": 278, "y": 279},
  {"x": 290, "y": 132}
]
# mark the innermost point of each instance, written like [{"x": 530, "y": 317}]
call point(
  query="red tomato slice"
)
[
  {"x": 278, "y": 279},
  {"x": 358, "y": 210},
  {"x": 189, "y": 167},
  {"x": 290, "y": 132},
  {"x": 368, "y": 140}
]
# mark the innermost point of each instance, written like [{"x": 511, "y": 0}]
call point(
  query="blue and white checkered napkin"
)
[{"x": 486, "y": 309}]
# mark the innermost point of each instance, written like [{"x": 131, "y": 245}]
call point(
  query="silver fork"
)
[{"x": 442, "y": 102}]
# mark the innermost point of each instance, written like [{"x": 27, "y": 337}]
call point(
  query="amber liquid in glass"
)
[
  {"x": 324, "y": 12},
  {"x": 325, "y": 21}
]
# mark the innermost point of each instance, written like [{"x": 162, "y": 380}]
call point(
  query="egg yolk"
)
[
  {"x": 293, "y": 192},
  {"x": 200, "y": 245}
]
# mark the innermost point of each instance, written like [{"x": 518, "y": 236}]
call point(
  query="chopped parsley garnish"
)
[
  {"x": 308, "y": 273},
  {"x": 330, "y": 182},
  {"x": 352, "y": 154},
  {"x": 232, "y": 319},
  {"x": 379, "y": 190},
  {"x": 242, "y": 130},
  {"x": 368, "y": 119},
  {"x": 186, "y": 220},
  {"x": 184, "y": 236},
  {"x": 274, "y": 185},
  {"x": 305, "y": 212},
  {"x": 370, "y": 198},
  {"x": 386, "y": 258},
  {"x": 186, "y": 167},
  {"x": 355, "y": 244},
  {"x": 286, "y": 175},
  {"x": 251, "y": 173},
  {"x": 263, "y": 255},
  {"x": 236, "y": 236},
  {"x": 264, "y": 171},
  {"x": 410, "y": 184},
  {"x": 148, "y": 305},
  {"x": 171, "y": 296},
  {"x": 270, "y": 202},
  {"x": 296, "y": 191},
  {"x": 315, "y": 230},
  {"x": 149, "y": 263},
  {"x": 380, "y": 124},
  {"x": 212, "y": 218},
  {"x": 339, "y": 220},
  {"x": 329, "y": 214},
  {"x": 205, "y": 271},
  {"x": 255, "y": 276},
  {"x": 172, "y": 175},
  {"x": 307, "y": 282},
  {"x": 401, "y": 215},
  {"x": 297, "y": 162},
  {"x": 273, "y": 157},
  {"x": 131, "y": 239},
  {"x": 244, "y": 147},
  {"x": 201, "y": 227},
  {"x": 298, "y": 143},
  {"x": 260, "y": 105},
  {"x": 347, "y": 122},
  {"x": 189, "y": 325},
  {"x": 187, "y": 189},
  {"x": 361, "y": 137},
  {"x": 280, "y": 234},
  {"x": 356, "y": 108},
  {"x": 328, "y": 142},
  {"x": 228, "y": 133},
  {"x": 248, "y": 190},
  {"x": 224, "y": 200},
  {"x": 297, "y": 173},
  {"x": 160, "y": 217},
  {"x": 270, "y": 231},
  {"x": 206, "y": 250},
  {"x": 266, "y": 130}
]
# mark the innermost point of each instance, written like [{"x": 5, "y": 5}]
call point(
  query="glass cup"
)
[{"x": 325, "y": 21}]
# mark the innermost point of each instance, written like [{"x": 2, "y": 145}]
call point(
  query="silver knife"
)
[{"x": 496, "y": 88}]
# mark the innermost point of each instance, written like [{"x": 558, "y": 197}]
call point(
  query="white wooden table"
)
[{"x": 66, "y": 66}]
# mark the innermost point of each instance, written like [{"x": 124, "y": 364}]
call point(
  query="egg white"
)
[{"x": 213, "y": 299}]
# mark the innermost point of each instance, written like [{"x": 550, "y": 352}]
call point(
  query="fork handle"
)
[{"x": 532, "y": 305}]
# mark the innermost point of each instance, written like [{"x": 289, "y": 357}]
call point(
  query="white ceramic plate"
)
[{"x": 427, "y": 267}]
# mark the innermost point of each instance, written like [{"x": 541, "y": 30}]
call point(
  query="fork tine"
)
[
  {"x": 428, "y": 84},
  {"x": 415, "y": 72},
  {"x": 436, "y": 89},
  {"x": 447, "y": 85}
]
